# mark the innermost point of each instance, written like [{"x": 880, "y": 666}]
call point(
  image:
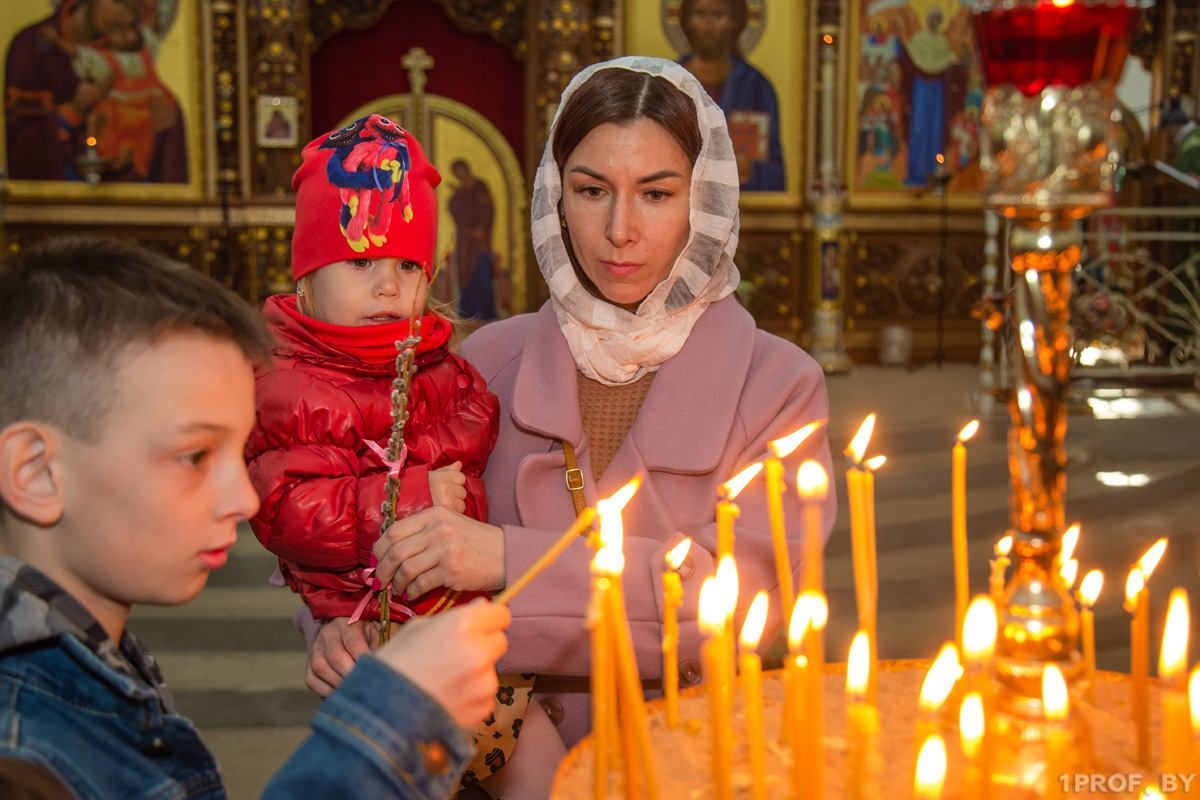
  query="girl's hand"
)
[
  {"x": 336, "y": 648},
  {"x": 440, "y": 547},
  {"x": 452, "y": 656},
  {"x": 448, "y": 487}
]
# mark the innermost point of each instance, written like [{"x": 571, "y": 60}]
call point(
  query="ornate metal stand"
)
[{"x": 1049, "y": 157}]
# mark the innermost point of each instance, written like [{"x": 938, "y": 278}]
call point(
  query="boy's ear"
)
[{"x": 30, "y": 475}]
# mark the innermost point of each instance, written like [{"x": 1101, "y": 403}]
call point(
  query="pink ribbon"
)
[
  {"x": 373, "y": 585},
  {"x": 393, "y": 466}
]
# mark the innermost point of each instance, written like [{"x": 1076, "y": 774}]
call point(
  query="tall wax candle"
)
[
  {"x": 962, "y": 589},
  {"x": 752, "y": 697},
  {"x": 1089, "y": 590},
  {"x": 1178, "y": 748},
  {"x": 863, "y": 763},
  {"x": 780, "y": 449},
  {"x": 1059, "y": 746},
  {"x": 813, "y": 721},
  {"x": 727, "y": 511},
  {"x": 1137, "y": 604},
  {"x": 800, "y": 621},
  {"x": 812, "y": 485},
  {"x": 869, "y": 625},
  {"x": 603, "y": 681},
  {"x": 672, "y": 600},
  {"x": 712, "y": 620},
  {"x": 1194, "y": 706},
  {"x": 856, "y": 496}
]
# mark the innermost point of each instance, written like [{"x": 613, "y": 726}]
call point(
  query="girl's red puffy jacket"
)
[{"x": 322, "y": 488}]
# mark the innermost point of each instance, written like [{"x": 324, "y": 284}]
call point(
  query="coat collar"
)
[{"x": 696, "y": 390}]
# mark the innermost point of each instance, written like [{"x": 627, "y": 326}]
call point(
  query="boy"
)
[{"x": 126, "y": 396}]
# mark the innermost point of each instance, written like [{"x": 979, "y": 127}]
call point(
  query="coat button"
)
[
  {"x": 437, "y": 760},
  {"x": 689, "y": 673},
  {"x": 156, "y": 747},
  {"x": 554, "y": 710}
]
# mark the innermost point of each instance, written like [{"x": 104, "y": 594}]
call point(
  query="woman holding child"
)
[{"x": 642, "y": 363}]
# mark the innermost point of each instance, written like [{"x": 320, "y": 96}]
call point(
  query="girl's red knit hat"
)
[{"x": 364, "y": 191}]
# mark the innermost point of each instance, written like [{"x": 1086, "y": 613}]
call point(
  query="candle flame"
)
[
  {"x": 968, "y": 431},
  {"x": 1194, "y": 699},
  {"x": 858, "y": 445},
  {"x": 979, "y": 628},
  {"x": 811, "y": 482},
  {"x": 91, "y": 141},
  {"x": 1063, "y": 3},
  {"x": 931, "y": 766},
  {"x": 1133, "y": 585},
  {"x": 678, "y": 554},
  {"x": 1004, "y": 546},
  {"x": 712, "y": 610},
  {"x": 1054, "y": 694},
  {"x": 820, "y": 610},
  {"x": 800, "y": 622},
  {"x": 756, "y": 619},
  {"x": 876, "y": 462},
  {"x": 1172, "y": 663},
  {"x": 970, "y": 724},
  {"x": 784, "y": 446},
  {"x": 727, "y": 583},
  {"x": 1150, "y": 560},
  {"x": 858, "y": 664},
  {"x": 1068, "y": 571},
  {"x": 1151, "y": 792},
  {"x": 609, "y": 560},
  {"x": 940, "y": 679},
  {"x": 612, "y": 532},
  {"x": 1089, "y": 590},
  {"x": 1069, "y": 540},
  {"x": 734, "y": 485}
]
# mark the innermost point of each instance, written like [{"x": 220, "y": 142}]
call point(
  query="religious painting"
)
[
  {"x": 101, "y": 98},
  {"x": 482, "y": 205},
  {"x": 745, "y": 54},
  {"x": 917, "y": 101},
  {"x": 278, "y": 119},
  {"x": 831, "y": 271}
]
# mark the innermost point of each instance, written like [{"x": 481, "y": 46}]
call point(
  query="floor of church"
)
[{"x": 236, "y": 665}]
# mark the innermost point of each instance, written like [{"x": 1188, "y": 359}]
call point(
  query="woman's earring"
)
[
  {"x": 562, "y": 220},
  {"x": 300, "y": 291}
]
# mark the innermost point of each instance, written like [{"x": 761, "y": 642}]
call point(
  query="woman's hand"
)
[
  {"x": 337, "y": 646},
  {"x": 439, "y": 547},
  {"x": 448, "y": 487}
]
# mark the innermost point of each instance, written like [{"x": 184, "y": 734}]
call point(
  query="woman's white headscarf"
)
[{"x": 610, "y": 344}]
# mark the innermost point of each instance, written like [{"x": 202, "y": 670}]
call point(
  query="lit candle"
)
[
  {"x": 812, "y": 485},
  {"x": 864, "y": 762},
  {"x": 635, "y": 730},
  {"x": 999, "y": 564},
  {"x": 727, "y": 584},
  {"x": 672, "y": 600},
  {"x": 1137, "y": 602},
  {"x": 938, "y": 684},
  {"x": 1089, "y": 590},
  {"x": 712, "y": 619},
  {"x": 979, "y": 637},
  {"x": 1178, "y": 748},
  {"x": 727, "y": 512},
  {"x": 855, "y": 486},
  {"x": 976, "y": 782},
  {"x": 1194, "y": 704},
  {"x": 1070, "y": 538},
  {"x": 1058, "y": 736},
  {"x": 813, "y": 720},
  {"x": 775, "y": 489},
  {"x": 800, "y": 620},
  {"x": 872, "y": 465},
  {"x": 751, "y": 669},
  {"x": 962, "y": 588},
  {"x": 931, "y": 770},
  {"x": 603, "y": 681},
  {"x": 1069, "y": 570}
]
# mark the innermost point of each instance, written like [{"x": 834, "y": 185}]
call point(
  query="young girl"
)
[{"x": 362, "y": 258}]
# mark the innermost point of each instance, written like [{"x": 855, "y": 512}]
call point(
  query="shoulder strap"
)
[{"x": 574, "y": 478}]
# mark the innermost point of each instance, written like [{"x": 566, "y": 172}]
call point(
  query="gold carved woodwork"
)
[
  {"x": 769, "y": 262},
  {"x": 278, "y": 53},
  {"x": 502, "y": 21},
  {"x": 899, "y": 278}
]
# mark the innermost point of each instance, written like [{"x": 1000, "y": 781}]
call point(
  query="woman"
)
[{"x": 644, "y": 364}]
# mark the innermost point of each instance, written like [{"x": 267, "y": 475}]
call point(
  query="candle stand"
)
[{"x": 1049, "y": 138}]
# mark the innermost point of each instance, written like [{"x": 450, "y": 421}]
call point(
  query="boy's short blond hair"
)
[{"x": 71, "y": 307}]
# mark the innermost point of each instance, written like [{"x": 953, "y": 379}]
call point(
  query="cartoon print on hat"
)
[{"x": 369, "y": 166}]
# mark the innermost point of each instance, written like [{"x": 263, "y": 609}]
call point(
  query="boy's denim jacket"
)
[{"x": 102, "y": 719}]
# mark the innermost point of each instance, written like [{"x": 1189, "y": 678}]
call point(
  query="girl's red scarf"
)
[{"x": 372, "y": 344}]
